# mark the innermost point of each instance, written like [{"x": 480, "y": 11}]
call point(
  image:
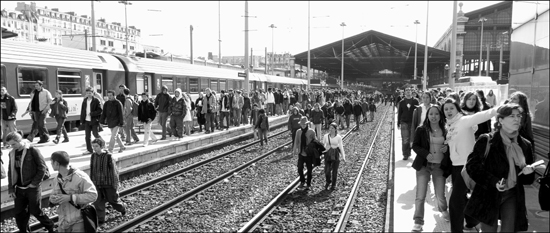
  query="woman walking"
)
[
  {"x": 501, "y": 174},
  {"x": 146, "y": 115},
  {"x": 526, "y": 129},
  {"x": 201, "y": 120},
  {"x": 432, "y": 159},
  {"x": 188, "y": 119},
  {"x": 334, "y": 145},
  {"x": 471, "y": 105}
]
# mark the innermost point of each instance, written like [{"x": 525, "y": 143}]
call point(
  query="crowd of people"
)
[{"x": 452, "y": 135}]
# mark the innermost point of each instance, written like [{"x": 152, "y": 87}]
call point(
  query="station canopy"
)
[{"x": 370, "y": 53}]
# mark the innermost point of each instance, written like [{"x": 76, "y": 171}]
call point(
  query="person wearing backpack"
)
[
  {"x": 26, "y": 171},
  {"x": 262, "y": 125},
  {"x": 501, "y": 174},
  {"x": 130, "y": 108}
]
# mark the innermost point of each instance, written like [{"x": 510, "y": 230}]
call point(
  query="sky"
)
[{"x": 172, "y": 19}]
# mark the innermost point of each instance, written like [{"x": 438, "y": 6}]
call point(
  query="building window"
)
[
  {"x": 27, "y": 77},
  {"x": 111, "y": 44},
  {"x": 102, "y": 42},
  {"x": 69, "y": 81},
  {"x": 123, "y": 46},
  {"x": 131, "y": 47}
]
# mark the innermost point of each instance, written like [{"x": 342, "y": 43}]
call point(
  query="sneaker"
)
[
  {"x": 162, "y": 138},
  {"x": 307, "y": 188},
  {"x": 326, "y": 185},
  {"x": 56, "y": 140},
  {"x": 405, "y": 157},
  {"x": 417, "y": 227},
  {"x": 333, "y": 188},
  {"x": 136, "y": 141},
  {"x": 43, "y": 141},
  {"x": 445, "y": 215},
  {"x": 128, "y": 144},
  {"x": 122, "y": 149},
  {"x": 66, "y": 140},
  {"x": 301, "y": 186},
  {"x": 470, "y": 229}
]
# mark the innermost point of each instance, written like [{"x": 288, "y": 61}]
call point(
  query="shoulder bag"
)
[
  {"x": 544, "y": 190},
  {"x": 470, "y": 184},
  {"x": 333, "y": 154},
  {"x": 89, "y": 214}
]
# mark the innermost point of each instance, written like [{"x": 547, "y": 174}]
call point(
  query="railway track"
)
[
  {"x": 137, "y": 188},
  {"x": 255, "y": 222}
]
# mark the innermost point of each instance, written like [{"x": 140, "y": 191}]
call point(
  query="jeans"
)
[
  {"x": 105, "y": 195},
  {"x": 61, "y": 127},
  {"x": 270, "y": 107},
  {"x": 40, "y": 123},
  {"x": 237, "y": 116},
  {"x": 7, "y": 127},
  {"x": 148, "y": 133},
  {"x": 129, "y": 129},
  {"x": 285, "y": 105},
  {"x": 263, "y": 136},
  {"x": 88, "y": 130},
  {"x": 357, "y": 120},
  {"x": 458, "y": 201},
  {"x": 309, "y": 165},
  {"x": 339, "y": 120},
  {"x": 27, "y": 202},
  {"x": 176, "y": 124},
  {"x": 318, "y": 131},
  {"x": 163, "y": 117},
  {"x": 244, "y": 116},
  {"x": 331, "y": 168},
  {"x": 507, "y": 213},
  {"x": 224, "y": 118},
  {"x": 210, "y": 122},
  {"x": 406, "y": 137},
  {"x": 293, "y": 133},
  {"x": 278, "y": 109},
  {"x": 347, "y": 120},
  {"x": 422, "y": 180},
  {"x": 115, "y": 137}
]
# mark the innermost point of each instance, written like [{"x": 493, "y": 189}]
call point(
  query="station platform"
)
[
  {"x": 404, "y": 194},
  {"x": 135, "y": 157}
]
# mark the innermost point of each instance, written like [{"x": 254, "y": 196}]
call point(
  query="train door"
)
[
  {"x": 143, "y": 82},
  {"x": 97, "y": 82}
]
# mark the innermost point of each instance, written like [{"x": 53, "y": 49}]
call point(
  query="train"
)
[{"x": 72, "y": 70}]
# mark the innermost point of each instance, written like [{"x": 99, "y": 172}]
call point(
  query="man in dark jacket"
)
[
  {"x": 405, "y": 110},
  {"x": 146, "y": 115},
  {"x": 357, "y": 111},
  {"x": 121, "y": 97},
  {"x": 294, "y": 123},
  {"x": 26, "y": 172},
  {"x": 177, "y": 112},
  {"x": 372, "y": 110},
  {"x": 246, "y": 109},
  {"x": 348, "y": 110},
  {"x": 9, "y": 111},
  {"x": 90, "y": 112},
  {"x": 59, "y": 111},
  {"x": 225, "y": 109},
  {"x": 339, "y": 113},
  {"x": 162, "y": 104},
  {"x": 112, "y": 117}
]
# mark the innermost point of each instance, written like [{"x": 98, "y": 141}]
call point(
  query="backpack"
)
[
  {"x": 263, "y": 124},
  {"x": 135, "y": 107},
  {"x": 470, "y": 184}
]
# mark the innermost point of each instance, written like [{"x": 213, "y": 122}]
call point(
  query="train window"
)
[
  {"x": 229, "y": 85},
  {"x": 193, "y": 85},
  {"x": 204, "y": 84},
  {"x": 214, "y": 85},
  {"x": 3, "y": 76},
  {"x": 69, "y": 82},
  {"x": 222, "y": 85},
  {"x": 169, "y": 83},
  {"x": 27, "y": 77},
  {"x": 182, "y": 83}
]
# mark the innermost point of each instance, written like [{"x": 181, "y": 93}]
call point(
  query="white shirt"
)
[
  {"x": 334, "y": 142},
  {"x": 88, "y": 103}
]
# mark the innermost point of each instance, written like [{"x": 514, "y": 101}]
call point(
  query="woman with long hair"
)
[
  {"x": 333, "y": 141},
  {"x": 491, "y": 99},
  {"x": 201, "y": 120},
  {"x": 471, "y": 105},
  {"x": 188, "y": 119},
  {"x": 432, "y": 159},
  {"x": 501, "y": 174},
  {"x": 525, "y": 130},
  {"x": 461, "y": 139}
]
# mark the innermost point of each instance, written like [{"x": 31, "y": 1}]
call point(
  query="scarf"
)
[{"x": 514, "y": 154}]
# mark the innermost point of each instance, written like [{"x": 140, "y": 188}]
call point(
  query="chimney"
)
[{"x": 55, "y": 9}]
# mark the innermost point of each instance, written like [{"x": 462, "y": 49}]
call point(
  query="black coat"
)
[
  {"x": 315, "y": 148},
  {"x": 348, "y": 109},
  {"x": 95, "y": 110},
  {"x": 421, "y": 146},
  {"x": 146, "y": 111},
  {"x": 112, "y": 114},
  {"x": 485, "y": 199}
]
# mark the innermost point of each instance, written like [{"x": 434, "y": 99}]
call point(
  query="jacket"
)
[
  {"x": 246, "y": 103},
  {"x": 348, "y": 109},
  {"x": 95, "y": 110},
  {"x": 238, "y": 102},
  {"x": 11, "y": 107},
  {"x": 177, "y": 107},
  {"x": 146, "y": 111},
  {"x": 416, "y": 121},
  {"x": 127, "y": 108},
  {"x": 33, "y": 167},
  {"x": 317, "y": 116},
  {"x": 162, "y": 102},
  {"x": 225, "y": 103},
  {"x": 294, "y": 121},
  {"x": 310, "y": 136},
  {"x": 262, "y": 119},
  {"x": 78, "y": 184},
  {"x": 357, "y": 110},
  {"x": 372, "y": 107},
  {"x": 120, "y": 97},
  {"x": 112, "y": 114},
  {"x": 315, "y": 148},
  {"x": 209, "y": 103},
  {"x": 59, "y": 110},
  {"x": 44, "y": 98},
  {"x": 421, "y": 146},
  {"x": 339, "y": 109},
  {"x": 405, "y": 109},
  {"x": 485, "y": 199},
  {"x": 270, "y": 98}
]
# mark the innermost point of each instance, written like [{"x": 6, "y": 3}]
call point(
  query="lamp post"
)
[
  {"x": 415, "y": 46},
  {"x": 94, "y": 48},
  {"x": 500, "y": 61},
  {"x": 425, "y": 76},
  {"x": 482, "y": 20},
  {"x": 272, "y": 26},
  {"x": 219, "y": 36},
  {"x": 308, "y": 50},
  {"x": 342, "y": 70},
  {"x": 126, "y": 3}
]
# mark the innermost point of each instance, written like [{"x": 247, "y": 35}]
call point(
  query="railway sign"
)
[{"x": 243, "y": 75}]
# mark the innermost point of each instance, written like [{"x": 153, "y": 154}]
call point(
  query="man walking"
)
[
  {"x": 238, "y": 103},
  {"x": 177, "y": 112},
  {"x": 405, "y": 110},
  {"x": 246, "y": 109},
  {"x": 113, "y": 118},
  {"x": 224, "y": 111},
  {"x": 121, "y": 97},
  {"x": 162, "y": 104},
  {"x": 26, "y": 171},
  {"x": 59, "y": 111},
  {"x": 208, "y": 109},
  {"x": 90, "y": 112},
  {"x": 129, "y": 118},
  {"x": 304, "y": 136},
  {"x": 270, "y": 102},
  {"x": 146, "y": 115},
  {"x": 39, "y": 107},
  {"x": 9, "y": 111},
  {"x": 78, "y": 190}
]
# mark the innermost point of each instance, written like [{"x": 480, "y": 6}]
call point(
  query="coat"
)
[
  {"x": 33, "y": 168},
  {"x": 177, "y": 107},
  {"x": 315, "y": 148},
  {"x": 58, "y": 109},
  {"x": 44, "y": 99},
  {"x": 112, "y": 114},
  {"x": 421, "y": 146},
  {"x": 209, "y": 103},
  {"x": 146, "y": 111},
  {"x": 11, "y": 107},
  {"x": 486, "y": 198},
  {"x": 95, "y": 110},
  {"x": 310, "y": 136},
  {"x": 162, "y": 102}
]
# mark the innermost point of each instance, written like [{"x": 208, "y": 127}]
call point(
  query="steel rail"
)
[
  {"x": 37, "y": 225},
  {"x": 341, "y": 224},
  {"x": 388, "y": 225}
]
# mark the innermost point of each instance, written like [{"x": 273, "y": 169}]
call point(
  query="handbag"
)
[
  {"x": 470, "y": 184},
  {"x": 88, "y": 212},
  {"x": 332, "y": 154},
  {"x": 544, "y": 190},
  {"x": 3, "y": 171}
]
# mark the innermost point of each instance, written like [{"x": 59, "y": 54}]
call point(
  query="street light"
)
[
  {"x": 342, "y": 71},
  {"x": 482, "y": 20},
  {"x": 415, "y": 46},
  {"x": 272, "y": 26},
  {"x": 126, "y": 3}
]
